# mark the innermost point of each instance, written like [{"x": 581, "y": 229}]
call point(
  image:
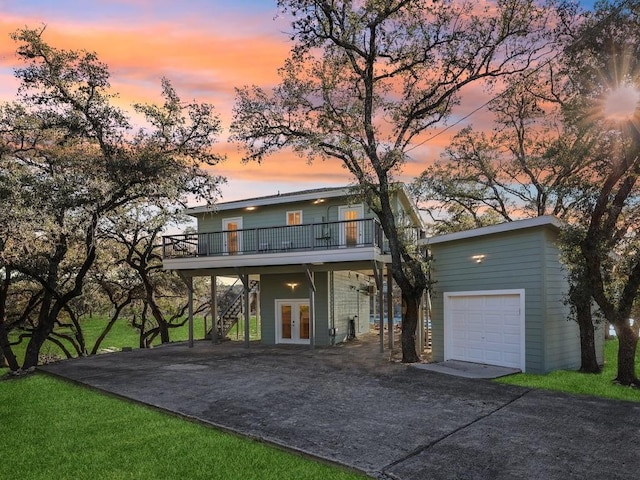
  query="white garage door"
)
[{"x": 485, "y": 327}]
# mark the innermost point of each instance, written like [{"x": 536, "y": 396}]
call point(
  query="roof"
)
[
  {"x": 301, "y": 196},
  {"x": 279, "y": 198},
  {"x": 542, "y": 221}
]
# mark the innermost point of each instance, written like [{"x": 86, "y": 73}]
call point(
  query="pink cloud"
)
[{"x": 205, "y": 61}]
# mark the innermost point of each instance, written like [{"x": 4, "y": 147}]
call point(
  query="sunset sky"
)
[{"x": 206, "y": 48}]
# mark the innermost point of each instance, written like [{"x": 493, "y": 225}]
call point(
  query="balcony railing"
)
[{"x": 308, "y": 237}]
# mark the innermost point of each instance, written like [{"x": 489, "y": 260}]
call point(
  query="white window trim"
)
[
  {"x": 342, "y": 209},
  {"x": 278, "y": 302},
  {"x": 239, "y": 221},
  {"x": 294, "y": 211}
]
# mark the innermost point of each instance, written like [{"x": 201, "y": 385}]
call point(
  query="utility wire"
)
[{"x": 507, "y": 90}]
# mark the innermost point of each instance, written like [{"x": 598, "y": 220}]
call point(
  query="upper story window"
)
[{"x": 294, "y": 217}]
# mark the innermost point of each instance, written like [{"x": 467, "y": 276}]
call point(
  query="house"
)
[
  {"x": 313, "y": 259},
  {"x": 499, "y": 298}
]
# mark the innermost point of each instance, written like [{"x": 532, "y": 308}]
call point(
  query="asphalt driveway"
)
[{"x": 350, "y": 405}]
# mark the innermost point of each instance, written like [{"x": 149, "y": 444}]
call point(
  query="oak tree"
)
[
  {"x": 604, "y": 59},
  {"x": 530, "y": 164},
  {"x": 75, "y": 159},
  {"x": 365, "y": 80}
]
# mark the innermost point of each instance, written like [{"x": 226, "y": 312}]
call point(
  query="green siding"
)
[
  {"x": 321, "y": 281},
  {"x": 521, "y": 259},
  {"x": 562, "y": 336},
  {"x": 275, "y": 215},
  {"x": 347, "y": 301},
  {"x": 273, "y": 287}
]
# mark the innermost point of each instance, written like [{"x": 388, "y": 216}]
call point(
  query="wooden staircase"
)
[{"x": 228, "y": 312}]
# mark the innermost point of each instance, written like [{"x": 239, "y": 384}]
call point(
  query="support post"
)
[
  {"x": 312, "y": 309},
  {"x": 247, "y": 311},
  {"x": 390, "y": 325},
  {"x": 214, "y": 309},
  {"x": 258, "y": 314},
  {"x": 244, "y": 278},
  {"x": 190, "y": 302},
  {"x": 378, "y": 275}
]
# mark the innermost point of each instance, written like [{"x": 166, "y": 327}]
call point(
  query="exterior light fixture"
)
[
  {"x": 292, "y": 286},
  {"x": 250, "y": 209},
  {"x": 318, "y": 201},
  {"x": 478, "y": 258}
]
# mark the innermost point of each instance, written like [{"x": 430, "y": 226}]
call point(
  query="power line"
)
[{"x": 504, "y": 92}]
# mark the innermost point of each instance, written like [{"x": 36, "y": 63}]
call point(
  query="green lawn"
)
[
  {"x": 123, "y": 335},
  {"x": 600, "y": 385},
  {"x": 52, "y": 429},
  {"x": 237, "y": 331}
]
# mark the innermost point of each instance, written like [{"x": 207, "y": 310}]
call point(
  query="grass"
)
[
  {"x": 596, "y": 385},
  {"x": 120, "y": 335},
  {"x": 54, "y": 429},
  {"x": 237, "y": 331},
  {"x": 124, "y": 335}
]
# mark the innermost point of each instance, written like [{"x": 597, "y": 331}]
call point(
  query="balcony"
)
[{"x": 315, "y": 237}]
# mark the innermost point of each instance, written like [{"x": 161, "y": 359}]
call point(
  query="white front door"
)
[
  {"x": 292, "y": 321},
  {"x": 231, "y": 237},
  {"x": 351, "y": 233},
  {"x": 485, "y": 327}
]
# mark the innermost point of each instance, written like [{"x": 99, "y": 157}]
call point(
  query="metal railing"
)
[{"x": 306, "y": 237}]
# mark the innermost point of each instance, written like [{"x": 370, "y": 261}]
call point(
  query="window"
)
[{"x": 294, "y": 217}]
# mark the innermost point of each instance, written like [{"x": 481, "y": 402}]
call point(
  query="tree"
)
[
  {"x": 585, "y": 171},
  {"x": 515, "y": 170},
  {"x": 365, "y": 79},
  {"x": 602, "y": 60},
  {"x": 111, "y": 279},
  {"x": 76, "y": 159},
  {"x": 529, "y": 165},
  {"x": 137, "y": 231}
]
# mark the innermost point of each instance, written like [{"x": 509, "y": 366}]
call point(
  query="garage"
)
[
  {"x": 479, "y": 313},
  {"x": 485, "y": 327}
]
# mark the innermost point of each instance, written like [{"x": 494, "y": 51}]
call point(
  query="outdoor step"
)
[{"x": 229, "y": 317}]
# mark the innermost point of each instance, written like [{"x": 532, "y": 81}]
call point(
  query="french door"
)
[{"x": 292, "y": 321}]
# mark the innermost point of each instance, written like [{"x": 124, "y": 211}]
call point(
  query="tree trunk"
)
[
  {"x": 156, "y": 312},
  {"x": 40, "y": 333},
  {"x": 164, "y": 331},
  {"x": 627, "y": 343},
  {"x": 112, "y": 321},
  {"x": 588, "y": 358},
  {"x": 6, "y": 350},
  {"x": 410, "y": 316},
  {"x": 38, "y": 337},
  {"x": 411, "y": 281}
]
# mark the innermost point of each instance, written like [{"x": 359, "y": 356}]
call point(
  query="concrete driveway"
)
[{"x": 350, "y": 405}]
